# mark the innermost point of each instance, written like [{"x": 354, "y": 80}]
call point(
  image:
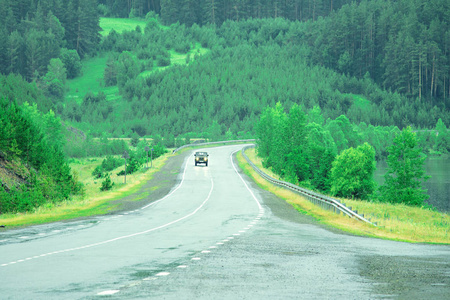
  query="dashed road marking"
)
[
  {"x": 162, "y": 274},
  {"x": 149, "y": 278},
  {"x": 107, "y": 293}
]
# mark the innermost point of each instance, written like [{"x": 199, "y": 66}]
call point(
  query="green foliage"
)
[
  {"x": 81, "y": 146},
  {"x": 72, "y": 62},
  {"x": 98, "y": 172},
  {"x": 442, "y": 137},
  {"x": 35, "y": 34},
  {"x": 55, "y": 78},
  {"x": 107, "y": 184},
  {"x": 299, "y": 151},
  {"x": 110, "y": 163},
  {"x": 36, "y": 141},
  {"x": 352, "y": 173},
  {"x": 406, "y": 173}
]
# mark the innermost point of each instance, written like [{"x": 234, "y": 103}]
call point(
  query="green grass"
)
[
  {"x": 91, "y": 80},
  {"x": 360, "y": 102},
  {"x": 94, "y": 202},
  {"x": 120, "y": 25},
  {"x": 93, "y": 68},
  {"x": 395, "y": 221},
  {"x": 178, "y": 58}
]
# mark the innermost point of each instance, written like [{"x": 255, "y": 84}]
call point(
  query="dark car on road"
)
[{"x": 201, "y": 158}]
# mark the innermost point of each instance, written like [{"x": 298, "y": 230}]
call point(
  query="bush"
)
[
  {"x": 98, "y": 172},
  {"x": 110, "y": 163},
  {"x": 107, "y": 184},
  {"x": 163, "y": 61}
]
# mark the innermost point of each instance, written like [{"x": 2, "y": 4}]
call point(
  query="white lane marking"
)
[
  {"x": 219, "y": 243},
  {"x": 107, "y": 293},
  {"x": 162, "y": 274},
  {"x": 182, "y": 267},
  {"x": 142, "y": 232},
  {"x": 206, "y": 251},
  {"x": 250, "y": 191},
  {"x": 168, "y": 195},
  {"x": 1, "y": 241},
  {"x": 196, "y": 258},
  {"x": 213, "y": 247},
  {"x": 241, "y": 231},
  {"x": 226, "y": 240},
  {"x": 23, "y": 237},
  {"x": 149, "y": 278},
  {"x": 236, "y": 234}
]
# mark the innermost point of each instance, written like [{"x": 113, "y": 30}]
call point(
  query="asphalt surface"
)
[{"x": 215, "y": 235}]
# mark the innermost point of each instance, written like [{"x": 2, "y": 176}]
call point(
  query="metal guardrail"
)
[
  {"x": 213, "y": 143},
  {"x": 316, "y": 198}
]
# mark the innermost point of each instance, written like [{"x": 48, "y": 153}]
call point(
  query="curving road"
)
[{"x": 214, "y": 236}]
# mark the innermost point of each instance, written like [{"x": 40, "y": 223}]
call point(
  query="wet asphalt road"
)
[{"x": 214, "y": 236}]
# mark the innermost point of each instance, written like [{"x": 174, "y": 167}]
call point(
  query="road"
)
[{"x": 215, "y": 235}]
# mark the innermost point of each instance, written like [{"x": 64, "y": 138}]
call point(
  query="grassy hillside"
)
[
  {"x": 120, "y": 25},
  {"x": 93, "y": 70},
  {"x": 91, "y": 80}
]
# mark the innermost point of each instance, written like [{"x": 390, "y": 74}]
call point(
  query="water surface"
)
[{"x": 438, "y": 185}]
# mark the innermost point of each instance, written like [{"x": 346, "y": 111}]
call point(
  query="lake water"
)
[{"x": 438, "y": 185}]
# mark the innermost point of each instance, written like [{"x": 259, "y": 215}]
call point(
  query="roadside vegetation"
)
[
  {"x": 93, "y": 201},
  {"x": 394, "y": 221},
  {"x": 334, "y": 85}
]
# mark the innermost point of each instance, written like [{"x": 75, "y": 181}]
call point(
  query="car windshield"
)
[{"x": 201, "y": 153}]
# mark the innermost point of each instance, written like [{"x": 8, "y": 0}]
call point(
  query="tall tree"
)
[{"x": 406, "y": 172}]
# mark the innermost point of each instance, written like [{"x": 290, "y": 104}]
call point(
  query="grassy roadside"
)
[
  {"x": 395, "y": 222},
  {"x": 94, "y": 202}
]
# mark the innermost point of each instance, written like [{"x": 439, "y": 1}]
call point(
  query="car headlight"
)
[
  {"x": 206, "y": 159},
  {"x": 196, "y": 158}
]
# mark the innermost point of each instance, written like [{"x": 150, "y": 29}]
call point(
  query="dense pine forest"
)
[{"x": 353, "y": 72}]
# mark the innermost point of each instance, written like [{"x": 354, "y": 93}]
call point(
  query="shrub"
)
[{"x": 107, "y": 184}]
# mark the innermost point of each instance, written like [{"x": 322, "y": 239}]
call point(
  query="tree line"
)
[
  {"x": 251, "y": 64},
  {"x": 34, "y": 32},
  {"x": 336, "y": 157},
  {"x": 216, "y": 12},
  {"x": 403, "y": 45}
]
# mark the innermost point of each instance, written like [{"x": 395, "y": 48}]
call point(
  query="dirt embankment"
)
[{"x": 13, "y": 173}]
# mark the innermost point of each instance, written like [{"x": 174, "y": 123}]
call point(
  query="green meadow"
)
[
  {"x": 94, "y": 67},
  {"x": 120, "y": 25}
]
